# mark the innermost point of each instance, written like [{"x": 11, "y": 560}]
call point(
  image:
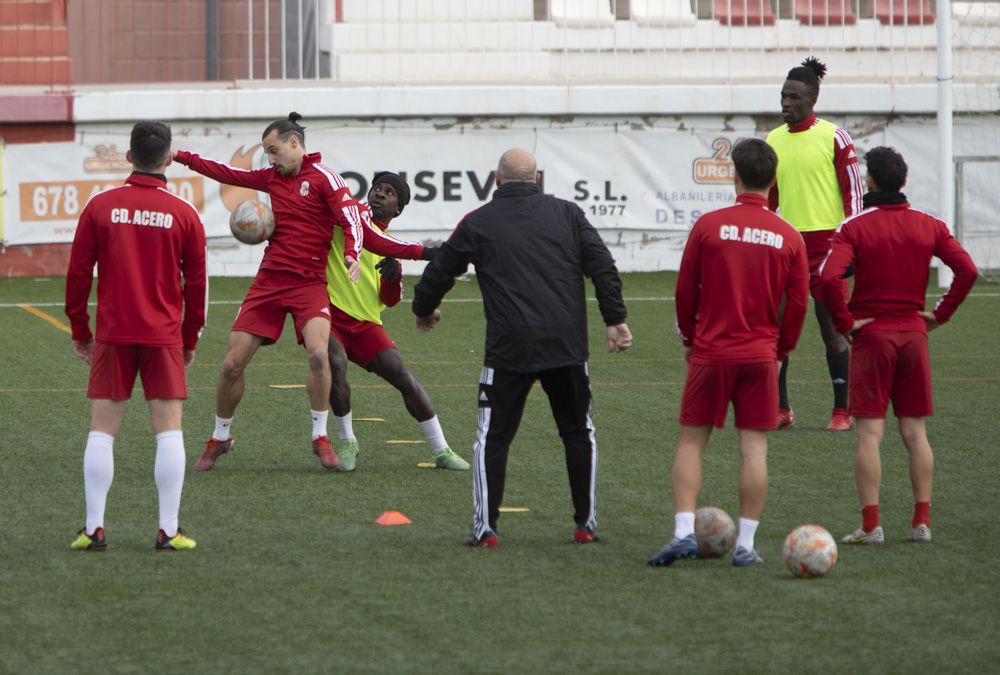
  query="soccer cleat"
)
[
  {"x": 178, "y": 542},
  {"x": 327, "y": 457},
  {"x": 786, "y": 419},
  {"x": 746, "y": 557},
  {"x": 585, "y": 535},
  {"x": 449, "y": 460},
  {"x": 488, "y": 540},
  {"x": 840, "y": 421},
  {"x": 859, "y": 536},
  {"x": 677, "y": 549},
  {"x": 95, "y": 543},
  {"x": 213, "y": 450},
  {"x": 347, "y": 450},
  {"x": 921, "y": 533}
]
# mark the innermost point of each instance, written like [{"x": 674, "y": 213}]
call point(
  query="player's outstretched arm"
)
[{"x": 230, "y": 175}]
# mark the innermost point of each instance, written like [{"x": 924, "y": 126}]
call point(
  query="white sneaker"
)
[
  {"x": 921, "y": 533},
  {"x": 859, "y": 536}
]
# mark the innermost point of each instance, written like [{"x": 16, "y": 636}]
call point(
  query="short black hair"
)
[
  {"x": 755, "y": 162},
  {"x": 287, "y": 128},
  {"x": 150, "y": 145},
  {"x": 811, "y": 72},
  {"x": 887, "y": 168}
]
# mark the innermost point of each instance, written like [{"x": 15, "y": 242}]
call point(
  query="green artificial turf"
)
[{"x": 292, "y": 575}]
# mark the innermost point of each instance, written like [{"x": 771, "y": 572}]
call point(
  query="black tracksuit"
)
[{"x": 531, "y": 252}]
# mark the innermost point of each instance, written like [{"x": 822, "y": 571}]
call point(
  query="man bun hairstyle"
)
[
  {"x": 887, "y": 168},
  {"x": 755, "y": 162},
  {"x": 287, "y": 128},
  {"x": 397, "y": 183},
  {"x": 150, "y": 145},
  {"x": 812, "y": 71}
]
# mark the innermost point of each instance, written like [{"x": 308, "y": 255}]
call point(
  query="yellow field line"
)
[{"x": 46, "y": 317}]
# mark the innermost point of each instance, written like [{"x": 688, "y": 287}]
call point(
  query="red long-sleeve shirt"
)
[
  {"x": 891, "y": 247},
  {"x": 143, "y": 239},
  {"x": 738, "y": 263},
  {"x": 304, "y": 206}
]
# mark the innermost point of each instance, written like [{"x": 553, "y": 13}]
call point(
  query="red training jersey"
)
[
  {"x": 306, "y": 206},
  {"x": 143, "y": 239},
  {"x": 738, "y": 263},
  {"x": 891, "y": 247}
]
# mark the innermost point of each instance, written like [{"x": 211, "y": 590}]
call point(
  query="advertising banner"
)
[{"x": 634, "y": 185}]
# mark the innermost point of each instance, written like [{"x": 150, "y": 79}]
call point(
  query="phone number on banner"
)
[{"x": 64, "y": 200}]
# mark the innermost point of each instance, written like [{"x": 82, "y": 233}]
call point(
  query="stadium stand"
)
[{"x": 825, "y": 12}]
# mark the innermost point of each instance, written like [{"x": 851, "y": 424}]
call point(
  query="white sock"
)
[
  {"x": 345, "y": 426},
  {"x": 98, "y": 472},
  {"x": 683, "y": 524},
  {"x": 221, "y": 432},
  {"x": 319, "y": 422},
  {"x": 169, "y": 473},
  {"x": 432, "y": 430},
  {"x": 748, "y": 528}
]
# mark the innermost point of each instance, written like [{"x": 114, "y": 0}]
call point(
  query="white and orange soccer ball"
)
[
  {"x": 809, "y": 551},
  {"x": 252, "y": 222},
  {"x": 715, "y": 532}
]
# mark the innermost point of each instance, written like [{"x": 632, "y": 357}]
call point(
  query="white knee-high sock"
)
[
  {"x": 319, "y": 422},
  {"x": 98, "y": 472},
  {"x": 434, "y": 434},
  {"x": 169, "y": 474},
  {"x": 345, "y": 426}
]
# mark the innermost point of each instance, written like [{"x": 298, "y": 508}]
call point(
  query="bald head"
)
[{"x": 517, "y": 166}]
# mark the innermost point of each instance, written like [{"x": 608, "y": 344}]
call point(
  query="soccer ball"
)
[
  {"x": 252, "y": 222},
  {"x": 809, "y": 551},
  {"x": 715, "y": 532}
]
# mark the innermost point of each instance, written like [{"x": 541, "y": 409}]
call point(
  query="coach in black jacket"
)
[{"x": 531, "y": 253}]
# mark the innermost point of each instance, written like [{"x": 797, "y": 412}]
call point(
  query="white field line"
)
[{"x": 665, "y": 298}]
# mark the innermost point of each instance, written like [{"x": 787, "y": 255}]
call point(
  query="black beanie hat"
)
[{"x": 397, "y": 183}]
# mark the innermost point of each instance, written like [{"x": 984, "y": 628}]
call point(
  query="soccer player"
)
[
  {"x": 739, "y": 265},
  {"x": 144, "y": 241},
  {"x": 531, "y": 252},
  {"x": 357, "y": 333},
  {"x": 307, "y": 199},
  {"x": 890, "y": 246},
  {"x": 819, "y": 184}
]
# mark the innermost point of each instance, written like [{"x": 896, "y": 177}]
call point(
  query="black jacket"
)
[{"x": 531, "y": 253}]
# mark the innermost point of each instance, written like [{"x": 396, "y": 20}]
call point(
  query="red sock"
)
[
  {"x": 869, "y": 517},
  {"x": 922, "y": 514}
]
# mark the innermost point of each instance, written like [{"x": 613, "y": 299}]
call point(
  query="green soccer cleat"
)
[
  {"x": 95, "y": 543},
  {"x": 178, "y": 542},
  {"x": 449, "y": 460},
  {"x": 348, "y": 451},
  {"x": 859, "y": 536}
]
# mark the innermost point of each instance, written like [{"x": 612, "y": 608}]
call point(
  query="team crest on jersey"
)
[{"x": 304, "y": 188}]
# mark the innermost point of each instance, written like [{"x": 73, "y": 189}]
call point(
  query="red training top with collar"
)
[
  {"x": 891, "y": 247},
  {"x": 738, "y": 263},
  {"x": 141, "y": 237}
]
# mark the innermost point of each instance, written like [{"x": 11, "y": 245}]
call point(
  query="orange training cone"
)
[{"x": 393, "y": 518}]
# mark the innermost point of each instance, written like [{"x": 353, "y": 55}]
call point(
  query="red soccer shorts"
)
[
  {"x": 817, "y": 246},
  {"x": 752, "y": 387},
  {"x": 274, "y": 294},
  {"x": 113, "y": 370},
  {"x": 362, "y": 340},
  {"x": 890, "y": 365}
]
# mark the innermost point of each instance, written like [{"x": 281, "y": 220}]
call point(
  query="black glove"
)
[
  {"x": 388, "y": 268},
  {"x": 429, "y": 253}
]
